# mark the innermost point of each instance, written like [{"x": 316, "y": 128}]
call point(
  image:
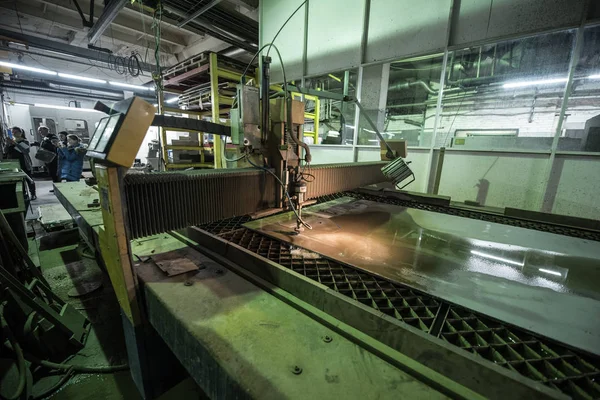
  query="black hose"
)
[
  {"x": 111, "y": 62},
  {"x": 133, "y": 65},
  {"x": 20, "y": 359},
  {"x": 121, "y": 65}
]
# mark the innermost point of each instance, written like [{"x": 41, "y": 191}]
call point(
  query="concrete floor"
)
[{"x": 66, "y": 263}]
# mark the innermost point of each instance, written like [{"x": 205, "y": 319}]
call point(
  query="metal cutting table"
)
[{"x": 362, "y": 293}]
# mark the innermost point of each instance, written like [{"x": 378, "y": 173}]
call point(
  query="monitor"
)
[{"x": 118, "y": 137}]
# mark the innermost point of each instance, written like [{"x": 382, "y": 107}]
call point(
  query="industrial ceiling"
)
[{"x": 86, "y": 36}]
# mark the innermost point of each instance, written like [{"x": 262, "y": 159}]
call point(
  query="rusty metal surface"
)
[
  {"x": 237, "y": 340},
  {"x": 334, "y": 178},
  {"x": 161, "y": 202},
  {"x": 542, "y": 282},
  {"x": 177, "y": 262}
]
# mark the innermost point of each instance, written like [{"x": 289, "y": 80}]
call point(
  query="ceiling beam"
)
[
  {"x": 125, "y": 21},
  {"x": 69, "y": 23},
  {"x": 46, "y": 44},
  {"x": 168, "y": 24},
  {"x": 108, "y": 15},
  {"x": 72, "y": 22},
  {"x": 250, "y": 4},
  {"x": 201, "y": 11},
  {"x": 214, "y": 31}
]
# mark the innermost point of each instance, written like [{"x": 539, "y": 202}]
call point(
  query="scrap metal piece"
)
[{"x": 177, "y": 262}]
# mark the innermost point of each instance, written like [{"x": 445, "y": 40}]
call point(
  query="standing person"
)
[
  {"x": 71, "y": 159},
  {"x": 62, "y": 136},
  {"x": 62, "y": 142},
  {"x": 18, "y": 149},
  {"x": 50, "y": 143}
]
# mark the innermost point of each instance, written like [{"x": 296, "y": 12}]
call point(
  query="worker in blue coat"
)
[{"x": 71, "y": 159}]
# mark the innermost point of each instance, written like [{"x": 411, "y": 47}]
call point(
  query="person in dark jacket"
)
[
  {"x": 50, "y": 142},
  {"x": 62, "y": 142},
  {"x": 71, "y": 159},
  {"x": 62, "y": 136},
  {"x": 18, "y": 149}
]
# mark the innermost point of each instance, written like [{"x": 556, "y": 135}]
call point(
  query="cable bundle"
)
[{"x": 125, "y": 65}]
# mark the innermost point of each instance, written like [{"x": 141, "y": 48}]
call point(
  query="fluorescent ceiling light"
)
[
  {"x": 597, "y": 76},
  {"x": 510, "y": 85},
  {"x": 127, "y": 85},
  {"x": 550, "y": 272},
  {"x": 492, "y": 257},
  {"x": 81, "y": 78},
  {"x": 16, "y": 104},
  {"x": 172, "y": 100},
  {"x": 25, "y": 68},
  {"x": 65, "y": 108}
]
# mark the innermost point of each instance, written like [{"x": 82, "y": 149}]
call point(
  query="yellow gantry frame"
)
[
  {"x": 315, "y": 116},
  {"x": 215, "y": 113}
]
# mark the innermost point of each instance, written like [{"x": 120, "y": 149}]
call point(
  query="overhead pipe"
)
[
  {"x": 59, "y": 47},
  {"x": 24, "y": 89},
  {"x": 407, "y": 85}
]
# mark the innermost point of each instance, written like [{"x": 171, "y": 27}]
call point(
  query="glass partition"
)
[
  {"x": 411, "y": 100},
  {"x": 507, "y": 95},
  {"x": 330, "y": 121},
  {"x": 581, "y": 126}
]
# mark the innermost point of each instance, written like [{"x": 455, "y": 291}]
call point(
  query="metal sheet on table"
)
[{"x": 547, "y": 283}]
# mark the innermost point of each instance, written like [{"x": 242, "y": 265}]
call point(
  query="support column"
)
[
  {"x": 373, "y": 97},
  {"x": 546, "y": 199},
  {"x": 214, "y": 96}
]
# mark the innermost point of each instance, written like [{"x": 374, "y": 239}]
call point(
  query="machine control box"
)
[{"x": 118, "y": 137}]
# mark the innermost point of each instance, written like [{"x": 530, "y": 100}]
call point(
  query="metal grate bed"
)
[
  {"x": 567, "y": 370},
  {"x": 529, "y": 355}
]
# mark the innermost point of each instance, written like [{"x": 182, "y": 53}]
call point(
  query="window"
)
[
  {"x": 78, "y": 127},
  {"x": 47, "y": 122},
  {"x": 581, "y": 125},
  {"x": 330, "y": 121},
  {"x": 411, "y": 100},
  {"x": 506, "y": 95}
]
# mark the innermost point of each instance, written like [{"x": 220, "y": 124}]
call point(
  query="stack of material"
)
[{"x": 186, "y": 156}]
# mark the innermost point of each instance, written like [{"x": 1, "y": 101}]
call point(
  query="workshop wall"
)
[
  {"x": 403, "y": 28},
  {"x": 574, "y": 187},
  {"x": 331, "y": 44},
  {"x": 499, "y": 180},
  {"x": 323, "y": 154},
  {"x": 290, "y": 41},
  {"x": 475, "y": 20},
  {"x": 344, "y": 34},
  {"x": 399, "y": 28}
]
